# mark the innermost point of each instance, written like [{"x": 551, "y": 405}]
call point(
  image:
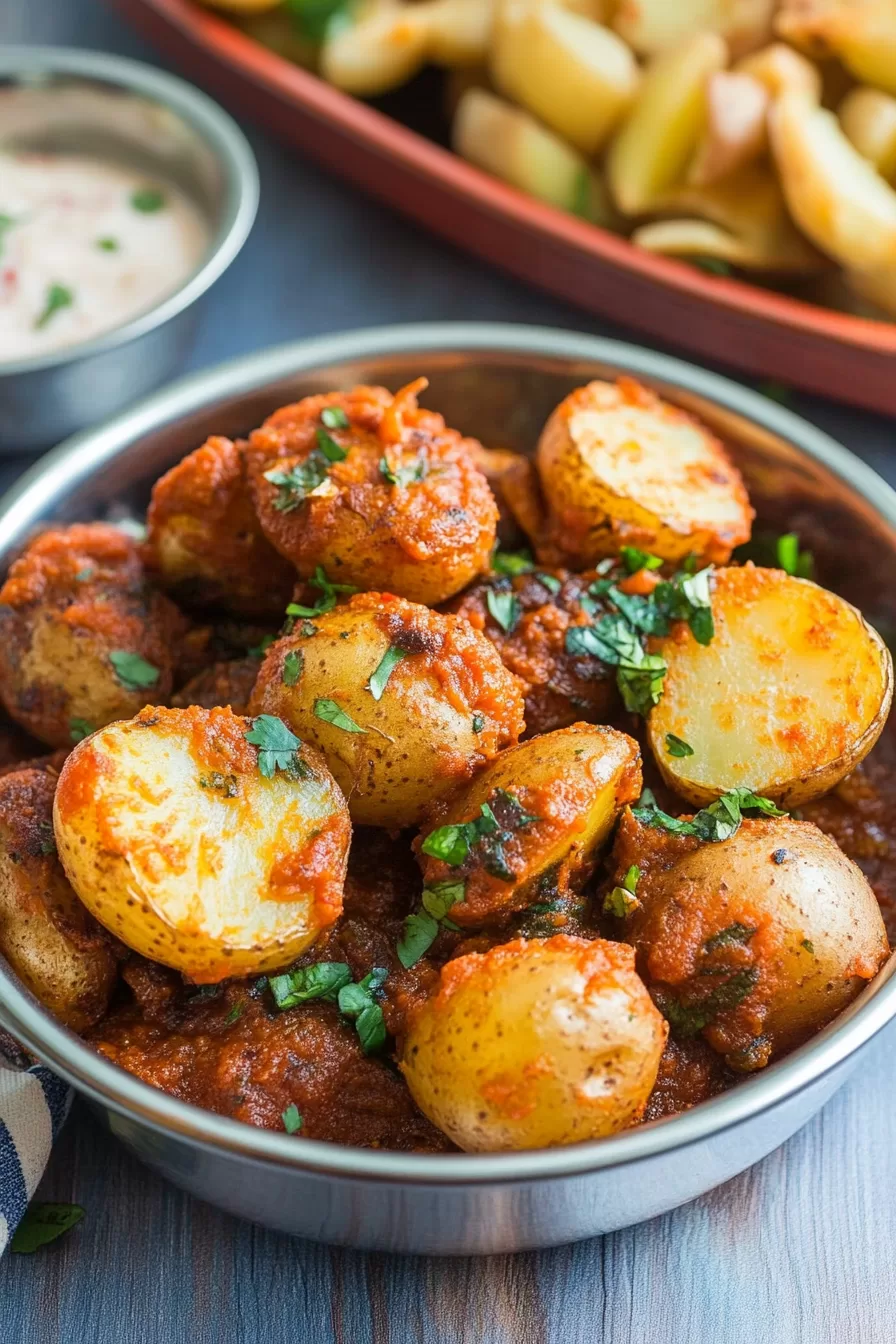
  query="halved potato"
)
[
  {"x": 200, "y": 849},
  {"x": 535, "y": 1044},
  {"x": 650, "y": 151},
  {"x": 868, "y": 118},
  {"x": 619, "y": 467},
  {"x": 862, "y": 33},
  {"x": 554, "y": 800},
  {"x": 405, "y": 704},
  {"x": 655, "y": 25},
  {"x": 573, "y": 74},
  {"x": 791, "y": 693},
  {"x": 380, "y": 51}
]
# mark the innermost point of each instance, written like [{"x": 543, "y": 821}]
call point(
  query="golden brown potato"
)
[
  {"x": 212, "y": 843},
  {"x": 756, "y": 942},
  {"x": 543, "y": 807},
  {"x": 83, "y": 640},
  {"x": 376, "y": 491},
  {"x": 790, "y": 694},
  {"x": 535, "y": 1044},
  {"x": 619, "y": 467},
  {"x": 223, "y": 685},
  {"x": 405, "y": 704},
  {"x": 513, "y": 481},
  {"x": 46, "y": 934},
  {"x": 204, "y": 542}
]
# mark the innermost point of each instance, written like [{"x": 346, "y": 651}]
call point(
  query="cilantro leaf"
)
[
  {"x": 478, "y": 723},
  {"x": 42, "y": 1224},
  {"x": 293, "y": 665},
  {"x": 327, "y": 601},
  {"x": 357, "y": 1002},
  {"x": 326, "y": 444},
  {"x": 635, "y": 559},
  {"x": 234, "y": 1015},
  {"x": 800, "y": 564},
  {"x": 731, "y": 936},
  {"x": 712, "y": 824},
  {"x": 301, "y": 478},
  {"x": 323, "y": 980},
  {"x": 409, "y": 474},
  {"x": 548, "y": 581},
  {"x": 380, "y": 676},
  {"x": 78, "y": 729},
  {"x": 292, "y": 1119},
  {"x": 505, "y": 608},
  {"x": 334, "y": 417},
  {"x": 58, "y": 296},
  {"x": 278, "y": 748},
  {"x": 330, "y": 712},
  {"x": 676, "y": 746},
  {"x": 438, "y": 899},
  {"x": 417, "y": 937},
  {"x": 511, "y": 563},
  {"x": 689, "y": 1019},
  {"x": 134, "y": 672},
  {"x": 371, "y": 1028},
  {"x": 148, "y": 200},
  {"x": 451, "y": 844},
  {"x": 621, "y": 901}
]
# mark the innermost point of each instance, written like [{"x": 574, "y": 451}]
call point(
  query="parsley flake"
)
[
  {"x": 511, "y": 563},
  {"x": 799, "y": 564},
  {"x": 107, "y": 244},
  {"x": 421, "y": 928},
  {"x": 621, "y": 901},
  {"x": 234, "y": 1015},
  {"x": 505, "y": 608},
  {"x": 323, "y": 980},
  {"x": 58, "y": 296},
  {"x": 148, "y": 200},
  {"x": 712, "y": 824},
  {"x": 43, "y": 1224},
  {"x": 78, "y": 729},
  {"x": 278, "y": 748},
  {"x": 809, "y": 946},
  {"x": 548, "y": 581},
  {"x": 334, "y": 417},
  {"x": 384, "y": 669},
  {"x": 292, "y": 1119},
  {"x": 478, "y": 723},
  {"x": 689, "y": 1019},
  {"x": 134, "y": 672},
  {"x": 409, "y": 474},
  {"x": 734, "y": 935},
  {"x": 330, "y": 712},
  {"x": 635, "y": 559},
  {"x": 326, "y": 602},
  {"x": 676, "y": 746},
  {"x": 293, "y": 665}
]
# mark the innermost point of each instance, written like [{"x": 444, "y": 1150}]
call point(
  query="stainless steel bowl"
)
[
  {"x": 498, "y": 382},
  {"x": 81, "y": 101}
]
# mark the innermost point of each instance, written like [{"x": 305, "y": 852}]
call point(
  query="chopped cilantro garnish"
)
[
  {"x": 234, "y": 1015},
  {"x": 292, "y": 1119},
  {"x": 635, "y": 559},
  {"x": 689, "y": 1019},
  {"x": 323, "y": 980},
  {"x": 621, "y": 901},
  {"x": 809, "y": 946},
  {"x": 107, "y": 244},
  {"x": 58, "y": 296},
  {"x": 420, "y": 929},
  {"x": 731, "y": 936},
  {"x": 505, "y": 608},
  {"x": 326, "y": 602},
  {"x": 330, "y": 712},
  {"x": 639, "y": 674},
  {"x": 42, "y": 1224},
  {"x": 228, "y": 785},
  {"x": 676, "y": 746},
  {"x": 478, "y": 723},
  {"x": 712, "y": 824},
  {"x": 357, "y": 1002},
  {"x": 315, "y": 18},
  {"x": 405, "y": 475},
  {"x": 79, "y": 729},
  {"x": 334, "y": 417},
  {"x": 332, "y": 451},
  {"x": 800, "y": 564},
  {"x": 378, "y": 678},
  {"x": 148, "y": 200},
  {"x": 48, "y": 838},
  {"x": 293, "y": 664},
  {"x": 512, "y": 563},
  {"x": 278, "y": 748},
  {"x": 548, "y": 581},
  {"x": 134, "y": 672}
]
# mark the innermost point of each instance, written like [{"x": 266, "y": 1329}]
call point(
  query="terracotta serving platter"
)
[{"x": 753, "y": 330}]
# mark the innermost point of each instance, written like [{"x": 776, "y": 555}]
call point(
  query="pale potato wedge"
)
[
  {"x": 46, "y": 934},
  {"x": 651, "y": 149},
  {"x": 620, "y": 467},
  {"x": 780, "y": 68},
  {"x": 555, "y": 800},
  {"x": 697, "y": 238},
  {"x": 789, "y": 696},
  {"x": 535, "y": 1044},
  {"x": 735, "y": 135},
  {"x": 834, "y": 194},
  {"x": 405, "y": 704},
  {"x": 756, "y": 942},
  {"x": 868, "y": 118},
  {"x": 573, "y": 74},
  {"x": 200, "y": 849},
  {"x": 650, "y": 26},
  {"x": 378, "y": 53},
  {"x": 458, "y": 31},
  {"x": 861, "y": 33}
]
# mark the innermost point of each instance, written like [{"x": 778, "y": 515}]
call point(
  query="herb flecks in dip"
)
[{"x": 84, "y": 247}]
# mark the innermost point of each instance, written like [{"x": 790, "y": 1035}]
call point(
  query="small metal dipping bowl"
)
[
  {"x": 499, "y": 383},
  {"x": 80, "y": 102}
]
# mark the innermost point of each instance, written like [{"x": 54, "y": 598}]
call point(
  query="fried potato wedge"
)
[
  {"x": 555, "y": 800},
  {"x": 650, "y": 26},
  {"x": 200, "y": 849},
  {"x": 735, "y": 133},
  {"x": 788, "y": 697},
  {"x": 780, "y": 68},
  {"x": 862, "y": 33},
  {"x": 535, "y": 1044},
  {"x": 379, "y": 52},
  {"x": 868, "y": 118},
  {"x": 619, "y": 467}
]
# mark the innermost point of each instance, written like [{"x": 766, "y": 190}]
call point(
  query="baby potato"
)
[
  {"x": 374, "y": 490},
  {"x": 545, "y": 806},
  {"x": 404, "y": 704},
  {"x": 381, "y": 51},
  {"x": 513, "y": 481},
  {"x": 535, "y": 1044},
  {"x": 861, "y": 33},
  {"x": 206, "y": 841},
  {"x": 868, "y": 118},
  {"x": 789, "y": 696},
  {"x": 223, "y": 685},
  {"x": 620, "y": 467},
  {"x": 204, "y": 541},
  {"x": 650, "y": 26},
  {"x": 83, "y": 639},
  {"x": 46, "y": 934},
  {"x": 755, "y": 943},
  {"x": 573, "y": 74}
]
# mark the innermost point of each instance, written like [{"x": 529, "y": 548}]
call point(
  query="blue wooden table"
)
[{"x": 799, "y": 1250}]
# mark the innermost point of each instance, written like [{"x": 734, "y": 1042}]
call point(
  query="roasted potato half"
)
[
  {"x": 212, "y": 843},
  {"x": 755, "y": 943},
  {"x": 542, "y": 808},
  {"x": 791, "y": 693},
  {"x": 535, "y": 1044},
  {"x": 46, "y": 934},
  {"x": 374, "y": 490},
  {"x": 619, "y": 467},
  {"x": 404, "y": 703},
  {"x": 83, "y": 639},
  {"x": 204, "y": 541}
]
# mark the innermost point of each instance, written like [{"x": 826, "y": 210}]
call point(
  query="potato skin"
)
[
  {"x": 227, "y": 684},
  {"x": 790, "y": 695},
  {"x": 424, "y": 540},
  {"x": 75, "y": 596},
  {"x": 804, "y": 931},
  {"x": 535, "y": 1044},
  {"x": 204, "y": 542},
  {"x": 620, "y": 467},
  {"x": 46, "y": 934},
  {"x": 419, "y": 743},
  {"x": 178, "y": 844},
  {"x": 574, "y": 782}
]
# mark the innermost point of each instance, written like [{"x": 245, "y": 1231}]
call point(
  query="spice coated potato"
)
[
  {"x": 535, "y": 1044},
  {"x": 756, "y": 942},
  {"x": 198, "y": 849},
  {"x": 447, "y": 707},
  {"x": 46, "y": 934},
  {"x": 83, "y": 639},
  {"x": 619, "y": 467},
  {"x": 788, "y": 697},
  {"x": 555, "y": 800},
  {"x": 383, "y": 496},
  {"x": 223, "y": 685},
  {"x": 204, "y": 542}
]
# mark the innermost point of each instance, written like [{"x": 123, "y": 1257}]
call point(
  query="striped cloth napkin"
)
[{"x": 33, "y": 1107}]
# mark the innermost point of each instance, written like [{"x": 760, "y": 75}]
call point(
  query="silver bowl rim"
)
[
  {"x": 81, "y": 456},
  {"x": 221, "y": 134}
]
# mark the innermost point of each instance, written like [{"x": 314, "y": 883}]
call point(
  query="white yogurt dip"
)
[{"x": 86, "y": 245}]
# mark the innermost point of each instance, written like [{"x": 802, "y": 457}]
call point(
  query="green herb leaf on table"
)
[
  {"x": 384, "y": 669},
  {"x": 292, "y": 1119},
  {"x": 57, "y": 297},
  {"x": 511, "y": 563},
  {"x": 330, "y": 712},
  {"x": 293, "y": 665},
  {"x": 134, "y": 672},
  {"x": 676, "y": 746},
  {"x": 323, "y": 980},
  {"x": 278, "y": 748},
  {"x": 505, "y": 608},
  {"x": 43, "y": 1224}
]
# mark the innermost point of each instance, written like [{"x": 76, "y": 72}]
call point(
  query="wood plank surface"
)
[{"x": 799, "y": 1250}]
